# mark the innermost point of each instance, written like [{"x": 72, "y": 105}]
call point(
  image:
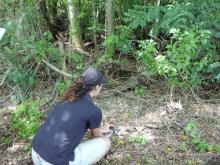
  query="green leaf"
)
[
  {"x": 213, "y": 66},
  {"x": 217, "y": 35},
  {"x": 217, "y": 149}
]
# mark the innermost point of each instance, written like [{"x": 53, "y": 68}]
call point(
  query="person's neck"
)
[{"x": 91, "y": 94}]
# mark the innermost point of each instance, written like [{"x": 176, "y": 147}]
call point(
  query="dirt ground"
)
[{"x": 149, "y": 130}]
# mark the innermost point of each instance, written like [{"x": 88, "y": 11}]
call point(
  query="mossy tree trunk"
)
[
  {"x": 74, "y": 19},
  {"x": 95, "y": 21},
  {"x": 109, "y": 51}
]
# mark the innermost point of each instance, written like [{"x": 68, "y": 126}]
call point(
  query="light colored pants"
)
[{"x": 86, "y": 153}]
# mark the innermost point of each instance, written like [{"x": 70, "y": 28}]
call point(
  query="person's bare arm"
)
[{"x": 97, "y": 132}]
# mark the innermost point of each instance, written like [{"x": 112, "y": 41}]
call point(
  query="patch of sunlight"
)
[
  {"x": 11, "y": 107},
  {"x": 15, "y": 147}
]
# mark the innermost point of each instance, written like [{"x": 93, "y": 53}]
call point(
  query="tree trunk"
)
[
  {"x": 46, "y": 13},
  {"x": 20, "y": 25},
  {"x": 95, "y": 20},
  {"x": 109, "y": 26},
  {"x": 63, "y": 57},
  {"x": 158, "y": 4},
  {"x": 74, "y": 28}
]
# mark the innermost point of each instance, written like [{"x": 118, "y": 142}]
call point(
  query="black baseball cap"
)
[{"x": 94, "y": 77}]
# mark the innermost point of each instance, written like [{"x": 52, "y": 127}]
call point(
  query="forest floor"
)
[{"x": 149, "y": 129}]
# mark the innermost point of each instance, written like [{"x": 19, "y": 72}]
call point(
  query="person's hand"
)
[
  {"x": 109, "y": 128},
  {"x": 112, "y": 120}
]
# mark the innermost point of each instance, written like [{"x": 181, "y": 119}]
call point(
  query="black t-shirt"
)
[{"x": 64, "y": 129}]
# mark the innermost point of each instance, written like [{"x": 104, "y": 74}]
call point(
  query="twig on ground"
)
[
  {"x": 124, "y": 94},
  {"x": 52, "y": 98},
  {"x": 6, "y": 98}
]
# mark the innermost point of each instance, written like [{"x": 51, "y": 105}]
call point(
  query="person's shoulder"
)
[{"x": 93, "y": 106}]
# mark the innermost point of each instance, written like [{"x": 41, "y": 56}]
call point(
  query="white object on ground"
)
[{"x": 2, "y": 32}]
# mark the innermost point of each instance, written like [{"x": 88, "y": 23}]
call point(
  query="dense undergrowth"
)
[{"x": 180, "y": 43}]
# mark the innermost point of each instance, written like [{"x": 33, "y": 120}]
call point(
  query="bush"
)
[
  {"x": 200, "y": 145},
  {"x": 190, "y": 53},
  {"x": 189, "y": 60},
  {"x": 26, "y": 119}
]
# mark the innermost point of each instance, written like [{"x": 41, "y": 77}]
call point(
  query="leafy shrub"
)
[
  {"x": 190, "y": 53},
  {"x": 109, "y": 44},
  {"x": 124, "y": 39},
  {"x": 139, "y": 90},
  {"x": 189, "y": 60},
  {"x": 147, "y": 55},
  {"x": 5, "y": 140},
  {"x": 189, "y": 57},
  {"x": 214, "y": 69},
  {"x": 62, "y": 86},
  {"x": 25, "y": 59},
  {"x": 26, "y": 119},
  {"x": 183, "y": 15},
  {"x": 77, "y": 60},
  {"x": 142, "y": 16},
  {"x": 200, "y": 145},
  {"x": 138, "y": 140}
]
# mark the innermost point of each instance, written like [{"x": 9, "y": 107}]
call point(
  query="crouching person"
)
[{"x": 57, "y": 142}]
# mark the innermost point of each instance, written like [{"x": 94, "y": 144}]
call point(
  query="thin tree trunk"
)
[
  {"x": 63, "y": 57},
  {"x": 95, "y": 20},
  {"x": 109, "y": 26},
  {"x": 20, "y": 24},
  {"x": 158, "y": 4},
  {"x": 74, "y": 28},
  {"x": 45, "y": 11}
]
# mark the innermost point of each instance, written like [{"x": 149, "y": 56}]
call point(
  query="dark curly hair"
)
[{"x": 76, "y": 90}]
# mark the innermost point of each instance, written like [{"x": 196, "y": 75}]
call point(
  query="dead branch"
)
[
  {"x": 130, "y": 83},
  {"x": 57, "y": 69},
  {"x": 3, "y": 80},
  {"x": 6, "y": 98},
  {"x": 81, "y": 51}
]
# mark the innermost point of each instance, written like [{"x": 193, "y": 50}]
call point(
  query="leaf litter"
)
[{"x": 148, "y": 131}]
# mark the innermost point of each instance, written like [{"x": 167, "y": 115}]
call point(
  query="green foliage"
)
[
  {"x": 124, "y": 39},
  {"x": 165, "y": 68},
  {"x": 139, "y": 90},
  {"x": 188, "y": 60},
  {"x": 200, "y": 145},
  {"x": 111, "y": 40},
  {"x": 138, "y": 140},
  {"x": 26, "y": 119},
  {"x": 62, "y": 86},
  {"x": 217, "y": 148},
  {"x": 183, "y": 147},
  {"x": 109, "y": 44},
  {"x": 77, "y": 61},
  {"x": 214, "y": 69},
  {"x": 141, "y": 16},
  {"x": 23, "y": 78},
  {"x": 5, "y": 140},
  {"x": 190, "y": 53},
  {"x": 25, "y": 59},
  {"x": 127, "y": 157},
  {"x": 187, "y": 57},
  {"x": 147, "y": 54},
  {"x": 148, "y": 160},
  {"x": 184, "y": 16}
]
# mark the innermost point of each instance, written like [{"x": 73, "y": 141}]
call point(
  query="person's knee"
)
[{"x": 107, "y": 142}]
